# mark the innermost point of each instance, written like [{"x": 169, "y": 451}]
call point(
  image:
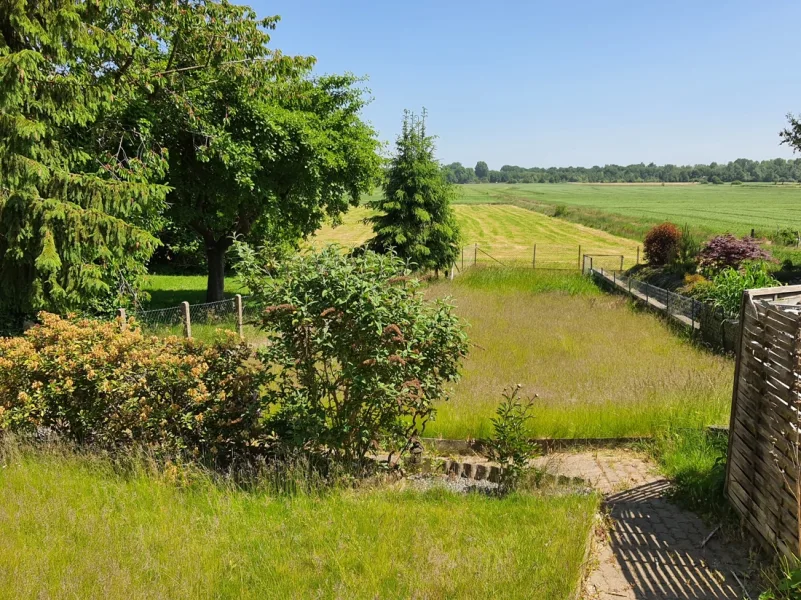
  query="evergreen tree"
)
[
  {"x": 75, "y": 199},
  {"x": 415, "y": 217}
]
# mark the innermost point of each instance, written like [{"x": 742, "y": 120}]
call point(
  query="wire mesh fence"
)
[
  {"x": 207, "y": 321},
  {"x": 711, "y": 324},
  {"x": 545, "y": 256}
]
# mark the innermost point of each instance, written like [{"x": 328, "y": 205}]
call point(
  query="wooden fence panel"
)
[{"x": 763, "y": 473}]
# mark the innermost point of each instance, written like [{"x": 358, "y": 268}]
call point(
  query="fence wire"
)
[{"x": 206, "y": 319}]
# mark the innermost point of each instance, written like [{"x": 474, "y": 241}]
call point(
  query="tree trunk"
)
[{"x": 215, "y": 258}]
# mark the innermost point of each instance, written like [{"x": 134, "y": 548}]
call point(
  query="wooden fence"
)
[{"x": 763, "y": 471}]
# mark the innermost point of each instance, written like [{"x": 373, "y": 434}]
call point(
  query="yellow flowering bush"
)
[{"x": 93, "y": 382}]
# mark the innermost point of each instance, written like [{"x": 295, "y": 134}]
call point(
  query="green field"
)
[
  {"x": 507, "y": 234},
  {"x": 74, "y": 527},
  {"x": 629, "y": 210}
]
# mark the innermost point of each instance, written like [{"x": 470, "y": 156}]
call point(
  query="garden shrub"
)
[
  {"x": 660, "y": 243},
  {"x": 684, "y": 258},
  {"x": 725, "y": 290},
  {"x": 357, "y": 356},
  {"x": 91, "y": 382},
  {"x": 727, "y": 251}
]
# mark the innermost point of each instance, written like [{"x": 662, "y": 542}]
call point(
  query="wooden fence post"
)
[
  {"x": 621, "y": 263},
  {"x": 123, "y": 319},
  {"x": 240, "y": 325},
  {"x": 475, "y": 255},
  {"x": 534, "y": 258},
  {"x": 579, "y": 257},
  {"x": 638, "y": 255},
  {"x": 187, "y": 320}
]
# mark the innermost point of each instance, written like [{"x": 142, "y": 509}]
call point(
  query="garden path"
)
[{"x": 649, "y": 548}]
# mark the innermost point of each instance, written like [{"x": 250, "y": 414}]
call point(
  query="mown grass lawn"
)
[
  {"x": 598, "y": 366},
  {"x": 73, "y": 527}
]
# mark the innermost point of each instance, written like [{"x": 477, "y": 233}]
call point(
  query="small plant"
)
[
  {"x": 788, "y": 587},
  {"x": 785, "y": 237},
  {"x": 510, "y": 445},
  {"x": 724, "y": 251},
  {"x": 737, "y": 182},
  {"x": 660, "y": 243},
  {"x": 560, "y": 211}
]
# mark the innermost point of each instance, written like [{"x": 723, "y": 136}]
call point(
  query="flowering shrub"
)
[
  {"x": 724, "y": 251},
  {"x": 90, "y": 382},
  {"x": 357, "y": 355},
  {"x": 660, "y": 243}
]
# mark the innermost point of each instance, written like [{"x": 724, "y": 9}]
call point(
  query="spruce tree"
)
[
  {"x": 76, "y": 200},
  {"x": 415, "y": 218}
]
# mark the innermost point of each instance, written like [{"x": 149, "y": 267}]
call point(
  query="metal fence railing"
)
[{"x": 711, "y": 324}]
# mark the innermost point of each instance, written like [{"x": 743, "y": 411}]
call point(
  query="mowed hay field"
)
[
  {"x": 507, "y": 234},
  {"x": 708, "y": 209},
  {"x": 74, "y": 527},
  {"x": 599, "y": 367}
]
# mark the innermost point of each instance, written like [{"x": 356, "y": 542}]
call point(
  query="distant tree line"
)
[{"x": 743, "y": 170}]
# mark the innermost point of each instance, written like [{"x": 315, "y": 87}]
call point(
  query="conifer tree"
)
[
  {"x": 415, "y": 218},
  {"x": 75, "y": 192}
]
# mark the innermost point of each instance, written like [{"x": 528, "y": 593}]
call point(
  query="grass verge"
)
[{"x": 74, "y": 527}]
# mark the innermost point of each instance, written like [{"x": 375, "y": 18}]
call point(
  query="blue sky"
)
[{"x": 565, "y": 83}]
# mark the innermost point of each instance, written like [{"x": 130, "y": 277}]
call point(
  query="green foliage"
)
[
  {"x": 660, "y": 243},
  {"x": 560, "y": 211},
  {"x": 787, "y": 587},
  {"x": 725, "y": 290},
  {"x": 481, "y": 170},
  {"x": 684, "y": 258},
  {"x": 77, "y": 198},
  {"x": 92, "y": 383},
  {"x": 511, "y": 445},
  {"x": 259, "y": 148},
  {"x": 357, "y": 356},
  {"x": 415, "y": 219}
]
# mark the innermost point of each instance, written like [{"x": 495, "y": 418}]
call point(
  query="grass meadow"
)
[
  {"x": 630, "y": 210},
  {"x": 598, "y": 366},
  {"x": 76, "y": 527},
  {"x": 506, "y": 233}
]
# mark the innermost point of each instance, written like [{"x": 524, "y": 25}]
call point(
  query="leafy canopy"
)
[
  {"x": 258, "y": 148},
  {"x": 415, "y": 219}
]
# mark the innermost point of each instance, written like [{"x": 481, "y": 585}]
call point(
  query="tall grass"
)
[
  {"x": 76, "y": 527},
  {"x": 598, "y": 367}
]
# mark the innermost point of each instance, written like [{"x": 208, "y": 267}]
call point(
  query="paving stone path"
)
[{"x": 651, "y": 548}]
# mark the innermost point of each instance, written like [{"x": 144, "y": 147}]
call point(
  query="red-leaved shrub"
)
[
  {"x": 660, "y": 243},
  {"x": 728, "y": 251}
]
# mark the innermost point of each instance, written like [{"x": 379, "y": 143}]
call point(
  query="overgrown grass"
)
[
  {"x": 695, "y": 461},
  {"x": 599, "y": 367},
  {"x": 74, "y": 527}
]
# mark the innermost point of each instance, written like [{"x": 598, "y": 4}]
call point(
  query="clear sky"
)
[{"x": 565, "y": 83}]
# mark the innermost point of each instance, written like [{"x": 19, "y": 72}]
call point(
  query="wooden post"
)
[
  {"x": 475, "y": 255},
  {"x": 462, "y": 258},
  {"x": 187, "y": 320},
  {"x": 579, "y": 257},
  {"x": 240, "y": 324},
  {"x": 629, "y": 285},
  {"x": 638, "y": 255},
  {"x": 621, "y": 263},
  {"x": 123, "y": 319},
  {"x": 453, "y": 268},
  {"x": 534, "y": 258}
]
